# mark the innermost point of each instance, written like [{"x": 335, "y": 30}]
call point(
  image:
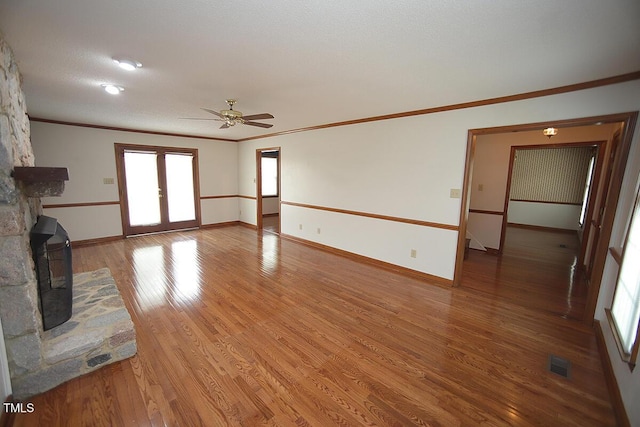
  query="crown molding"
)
[{"x": 622, "y": 78}]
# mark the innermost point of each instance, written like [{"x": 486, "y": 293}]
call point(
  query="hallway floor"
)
[{"x": 537, "y": 270}]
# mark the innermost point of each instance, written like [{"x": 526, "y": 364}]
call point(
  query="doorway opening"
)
[
  {"x": 158, "y": 188},
  {"x": 268, "y": 189},
  {"x": 550, "y": 187},
  {"x": 535, "y": 244},
  {"x": 598, "y": 223}
]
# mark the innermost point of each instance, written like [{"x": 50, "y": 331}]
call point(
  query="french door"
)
[{"x": 158, "y": 188}]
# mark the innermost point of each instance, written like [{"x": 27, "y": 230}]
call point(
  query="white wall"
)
[
  {"x": 390, "y": 242},
  {"x": 89, "y": 155},
  {"x": 553, "y": 215},
  {"x": 270, "y": 205},
  {"x": 486, "y": 228},
  {"x": 369, "y": 169}
]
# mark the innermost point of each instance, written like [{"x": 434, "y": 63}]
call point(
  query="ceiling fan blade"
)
[
  {"x": 261, "y": 116},
  {"x": 224, "y": 125},
  {"x": 215, "y": 113},
  {"x": 260, "y": 125}
]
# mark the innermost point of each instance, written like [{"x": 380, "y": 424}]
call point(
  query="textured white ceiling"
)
[{"x": 306, "y": 62}]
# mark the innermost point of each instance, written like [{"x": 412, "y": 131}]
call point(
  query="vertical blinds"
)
[{"x": 550, "y": 174}]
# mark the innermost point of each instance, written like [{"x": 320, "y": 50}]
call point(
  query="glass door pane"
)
[
  {"x": 269, "y": 176},
  {"x": 180, "y": 191},
  {"x": 141, "y": 174}
]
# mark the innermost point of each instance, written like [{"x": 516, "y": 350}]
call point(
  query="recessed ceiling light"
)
[
  {"x": 127, "y": 64},
  {"x": 112, "y": 89}
]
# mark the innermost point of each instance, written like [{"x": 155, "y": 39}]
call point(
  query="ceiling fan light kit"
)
[{"x": 233, "y": 117}]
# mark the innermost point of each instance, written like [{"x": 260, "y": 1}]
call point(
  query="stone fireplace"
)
[{"x": 100, "y": 330}]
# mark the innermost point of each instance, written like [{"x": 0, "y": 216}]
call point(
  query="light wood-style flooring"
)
[{"x": 238, "y": 328}]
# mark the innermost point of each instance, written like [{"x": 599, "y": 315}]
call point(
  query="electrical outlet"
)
[
  {"x": 454, "y": 193},
  {"x": 414, "y": 253},
  {"x": 107, "y": 181}
]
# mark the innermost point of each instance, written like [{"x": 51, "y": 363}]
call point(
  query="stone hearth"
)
[{"x": 100, "y": 331}]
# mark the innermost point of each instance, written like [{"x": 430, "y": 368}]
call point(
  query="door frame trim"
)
[
  {"x": 628, "y": 119},
  {"x": 259, "y": 151},
  {"x": 119, "y": 149}
]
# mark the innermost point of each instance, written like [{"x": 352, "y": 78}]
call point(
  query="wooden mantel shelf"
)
[
  {"x": 40, "y": 174},
  {"x": 41, "y": 181}
]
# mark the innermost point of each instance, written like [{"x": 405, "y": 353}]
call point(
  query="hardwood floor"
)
[
  {"x": 538, "y": 269},
  {"x": 235, "y": 328},
  {"x": 271, "y": 223}
]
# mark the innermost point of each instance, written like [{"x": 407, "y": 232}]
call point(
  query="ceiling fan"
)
[{"x": 232, "y": 117}]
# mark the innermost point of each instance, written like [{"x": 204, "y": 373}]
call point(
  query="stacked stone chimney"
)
[{"x": 19, "y": 311}]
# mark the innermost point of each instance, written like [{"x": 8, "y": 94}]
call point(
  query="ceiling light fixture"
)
[
  {"x": 127, "y": 64},
  {"x": 112, "y": 89},
  {"x": 549, "y": 132}
]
